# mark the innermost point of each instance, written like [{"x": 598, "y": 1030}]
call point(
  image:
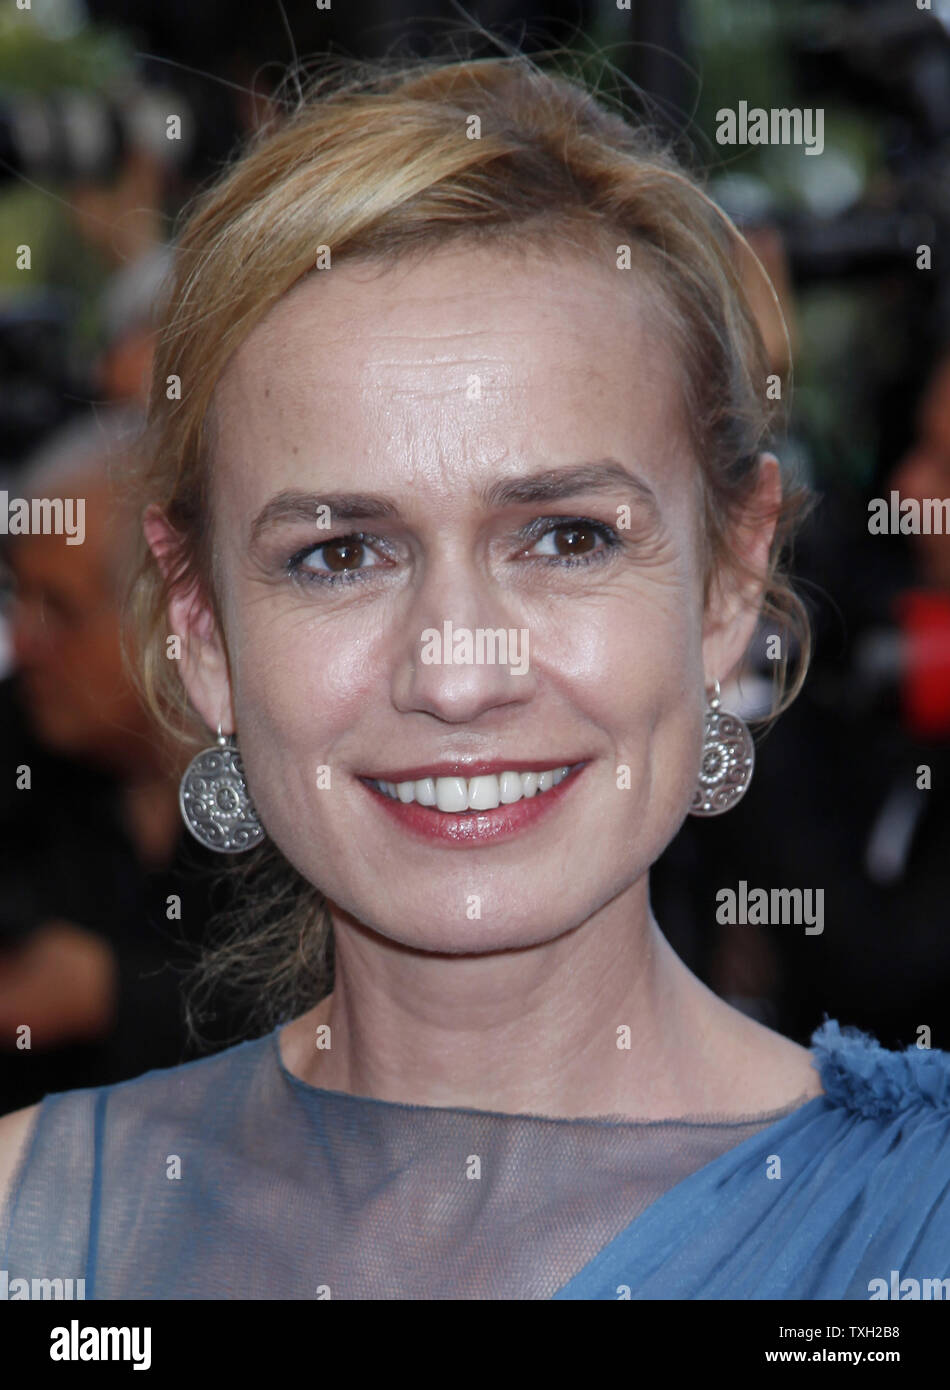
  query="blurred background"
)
[{"x": 102, "y": 902}]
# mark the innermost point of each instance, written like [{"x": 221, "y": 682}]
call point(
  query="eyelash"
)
[{"x": 535, "y": 532}]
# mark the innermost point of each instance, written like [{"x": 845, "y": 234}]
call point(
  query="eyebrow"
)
[{"x": 549, "y": 485}]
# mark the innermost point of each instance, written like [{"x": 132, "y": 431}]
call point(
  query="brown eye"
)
[
  {"x": 334, "y": 562},
  {"x": 574, "y": 540},
  {"x": 343, "y": 554}
]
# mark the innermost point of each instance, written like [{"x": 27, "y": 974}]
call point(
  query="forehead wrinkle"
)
[
  {"x": 377, "y": 318},
  {"x": 308, "y": 386}
]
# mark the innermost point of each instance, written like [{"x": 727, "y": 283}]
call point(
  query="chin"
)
[{"x": 480, "y": 936}]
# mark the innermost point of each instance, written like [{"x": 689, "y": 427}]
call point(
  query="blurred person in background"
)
[
  {"x": 127, "y": 311},
  {"x": 96, "y": 892},
  {"x": 924, "y": 472},
  {"x": 855, "y": 783}
]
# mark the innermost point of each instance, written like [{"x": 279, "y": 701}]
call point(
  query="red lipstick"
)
[{"x": 472, "y": 829}]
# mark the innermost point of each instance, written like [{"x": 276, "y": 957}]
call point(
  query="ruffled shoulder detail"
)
[{"x": 860, "y": 1074}]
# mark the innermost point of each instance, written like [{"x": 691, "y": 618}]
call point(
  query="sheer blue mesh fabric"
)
[{"x": 231, "y": 1178}]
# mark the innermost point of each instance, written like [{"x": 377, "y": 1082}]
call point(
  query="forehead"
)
[{"x": 468, "y": 358}]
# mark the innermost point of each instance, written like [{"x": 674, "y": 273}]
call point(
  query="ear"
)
[
  {"x": 734, "y": 603},
  {"x": 204, "y": 659}
]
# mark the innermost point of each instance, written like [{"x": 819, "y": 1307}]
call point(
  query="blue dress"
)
[{"x": 231, "y": 1178}]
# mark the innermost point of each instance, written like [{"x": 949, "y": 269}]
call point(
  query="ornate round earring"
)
[
  {"x": 215, "y": 803},
  {"x": 727, "y": 762}
]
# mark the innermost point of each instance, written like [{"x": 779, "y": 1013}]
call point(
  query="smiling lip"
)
[{"x": 472, "y": 829}]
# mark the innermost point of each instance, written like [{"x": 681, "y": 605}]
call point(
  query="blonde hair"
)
[{"x": 376, "y": 162}]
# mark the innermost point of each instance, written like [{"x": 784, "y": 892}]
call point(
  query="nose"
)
[{"x": 459, "y": 651}]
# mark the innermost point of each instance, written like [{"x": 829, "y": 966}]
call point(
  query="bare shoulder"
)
[{"x": 15, "y": 1131}]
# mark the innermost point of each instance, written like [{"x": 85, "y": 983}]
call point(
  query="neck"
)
[{"x": 605, "y": 1020}]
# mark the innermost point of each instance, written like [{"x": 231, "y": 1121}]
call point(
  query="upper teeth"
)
[{"x": 474, "y": 793}]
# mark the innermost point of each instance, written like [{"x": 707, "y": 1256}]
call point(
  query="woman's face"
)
[{"x": 460, "y": 398}]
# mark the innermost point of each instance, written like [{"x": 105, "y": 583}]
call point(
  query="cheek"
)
[
  {"x": 299, "y": 687},
  {"x": 642, "y": 676},
  {"x": 635, "y": 653}
]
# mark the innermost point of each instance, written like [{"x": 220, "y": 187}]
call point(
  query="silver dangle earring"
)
[
  {"x": 727, "y": 762},
  {"x": 215, "y": 803}
]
